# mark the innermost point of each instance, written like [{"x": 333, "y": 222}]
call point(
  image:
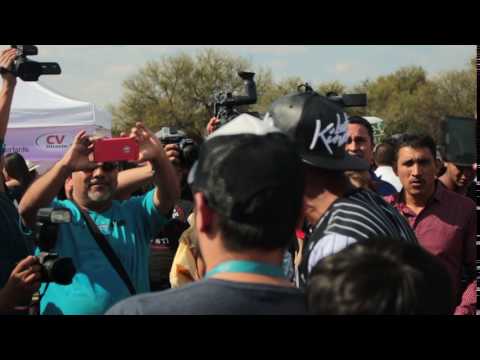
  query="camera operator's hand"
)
[
  {"x": 79, "y": 155},
  {"x": 173, "y": 153},
  {"x": 213, "y": 125},
  {"x": 167, "y": 189},
  {"x": 150, "y": 146},
  {"x": 23, "y": 282},
  {"x": 7, "y": 57}
]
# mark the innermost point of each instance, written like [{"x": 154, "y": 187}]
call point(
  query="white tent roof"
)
[
  {"x": 35, "y": 105},
  {"x": 373, "y": 119}
]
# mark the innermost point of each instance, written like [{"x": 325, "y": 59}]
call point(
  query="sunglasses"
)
[{"x": 109, "y": 166}]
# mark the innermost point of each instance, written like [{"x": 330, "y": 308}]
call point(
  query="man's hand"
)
[
  {"x": 173, "y": 153},
  {"x": 213, "y": 125},
  {"x": 23, "y": 282},
  {"x": 166, "y": 183},
  {"x": 7, "y": 58},
  {"x": 79, "y": 156},
  {"x": 151, "y": 148}
]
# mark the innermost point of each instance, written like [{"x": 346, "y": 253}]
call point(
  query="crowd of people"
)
[{"x": 295, "y": 213}]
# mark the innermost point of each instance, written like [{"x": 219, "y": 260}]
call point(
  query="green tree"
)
[
  {"x": 177, "y": 90},
  {"x": 409, "y": 101},
  {"x": 331, "y": 86},
  {"x": 271, "y": 91},
  {"x": 394, "y": 98}
]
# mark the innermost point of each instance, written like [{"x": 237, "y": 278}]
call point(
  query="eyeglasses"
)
[{"x": 109, "y": 166}]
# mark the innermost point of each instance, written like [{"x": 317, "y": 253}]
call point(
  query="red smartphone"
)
[{"x": 115, "y": 149}]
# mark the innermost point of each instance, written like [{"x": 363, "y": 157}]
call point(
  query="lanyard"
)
[{"x": 245, "y": 266}]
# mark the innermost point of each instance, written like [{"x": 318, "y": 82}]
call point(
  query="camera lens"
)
[{"x": 59, "y": 270}]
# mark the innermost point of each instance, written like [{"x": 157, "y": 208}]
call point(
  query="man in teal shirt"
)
[{"x": 128, "y": 226}]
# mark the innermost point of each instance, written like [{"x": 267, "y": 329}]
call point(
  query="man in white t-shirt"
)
[{"x": 384, "y": 156}]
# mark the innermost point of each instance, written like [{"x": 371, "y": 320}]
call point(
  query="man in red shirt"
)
[{"x": 445, "y": 222}]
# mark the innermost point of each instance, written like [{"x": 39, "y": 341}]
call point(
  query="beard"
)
[{"x": 100, "y": 196}]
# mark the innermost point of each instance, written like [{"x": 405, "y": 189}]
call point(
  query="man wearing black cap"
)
[
  {"x": 247, "y": 204},
  {"x": 459, "y": 177},
  {"x": 338, "y": 213}
]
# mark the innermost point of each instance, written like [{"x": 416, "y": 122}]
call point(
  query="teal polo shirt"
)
[{"x": 128, "y": 226}]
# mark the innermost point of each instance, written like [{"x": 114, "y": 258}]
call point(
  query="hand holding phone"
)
[
  {"x": 116, "y": 149},
  {"x": 151, "y": 148}
]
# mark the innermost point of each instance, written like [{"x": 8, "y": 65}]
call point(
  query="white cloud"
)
[
  {"x": 342, "y": 68},
  {"x": 96, "y": 72},
  {"x": 266, "y": 49},
  {"x": 254, "y": 49},
  {"x": 278, "y": 64},
  {"x": 120, "y": 69}
]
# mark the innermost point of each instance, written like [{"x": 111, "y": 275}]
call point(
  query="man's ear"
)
[
  {"x": 394, "y": 167},
  {"x": 203, "y": 214},
  {"x": 69, "y": 183}
]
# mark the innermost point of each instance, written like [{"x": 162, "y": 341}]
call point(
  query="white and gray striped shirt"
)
[{"x": 360, "y": 214}]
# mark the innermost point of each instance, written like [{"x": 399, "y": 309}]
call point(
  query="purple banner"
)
[{"x": 42, "y": 144}]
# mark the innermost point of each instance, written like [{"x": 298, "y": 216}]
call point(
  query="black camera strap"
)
[{"x": 107, "y": 250}]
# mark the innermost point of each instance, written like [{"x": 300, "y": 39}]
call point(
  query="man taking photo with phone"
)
[{"x": 108, "y": 240}]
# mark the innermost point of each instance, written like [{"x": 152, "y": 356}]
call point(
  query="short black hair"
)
[
  {"x": 264, "y": 236},
  {"x": 364, "y": 122},
  {"x": 255, "y": 185},
  {"x": 16, "y": 167},
  {"x": 384, "y": 154},
  {"x": 380, "y": 276},
  {"x": 416, "y": 141}
]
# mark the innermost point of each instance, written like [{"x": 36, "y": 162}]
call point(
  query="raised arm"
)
[
  {"x": 166, "y": 183},
  {"x": 131, "y": 180},
  {"x": 43, "y": 191},
  {"x": 6, "y": 96}
]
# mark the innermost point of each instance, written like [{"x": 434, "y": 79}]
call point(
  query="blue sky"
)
[{"x": 95, "y": 72}]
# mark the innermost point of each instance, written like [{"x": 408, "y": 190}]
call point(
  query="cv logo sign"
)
[{"x": 54, "y": 141}]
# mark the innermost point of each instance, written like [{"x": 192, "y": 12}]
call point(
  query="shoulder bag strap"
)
[{"x": 107, "y": 250}]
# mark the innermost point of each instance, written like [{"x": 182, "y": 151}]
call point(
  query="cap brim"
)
[
  {"x": 464, "y": 163},
  {"x": 348, "y": 162}
]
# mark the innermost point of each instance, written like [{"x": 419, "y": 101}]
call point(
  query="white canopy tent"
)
[
  {"x": 43, "y": 123},
  {"x": 378, "y": 126},
  {"x": 373, "y": 119}
]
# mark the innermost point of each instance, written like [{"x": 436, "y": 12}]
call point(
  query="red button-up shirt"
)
[{"x": 447, "y": 228}]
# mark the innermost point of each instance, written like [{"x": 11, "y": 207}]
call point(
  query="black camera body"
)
[
  {"x": 55, "y": 269},
  {"x": 348, "y": 100},
  {"x": 224, "y": 107},
  {"x": 188, "y": 147},
  {"x": 59, "y": 270},
  {"x": 29, "y": 70},
  {"x": 345, "y": 100},
  {"x": 47, "y": 223},
  {"x": 457, "y": 140}
]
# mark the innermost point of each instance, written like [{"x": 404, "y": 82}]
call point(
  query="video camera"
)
[
  {"x": 59, "y": 270},
  {"x": 55, "y": 269},
  {"x": 346, "y": 100},
  {"x": 457, "y": 141},
  {"x": 29, "y": 70},
  {"x": 188, "y": 147},
  {"x": 224, "y": 107}
]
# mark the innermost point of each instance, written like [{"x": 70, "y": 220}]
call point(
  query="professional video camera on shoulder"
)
[
  {"x": 224, "y": 107},
  {"x": 345, "y": 100},
  {"x": 29, "y": 70},
  {"x": 188, "y": 147},
  {"x": 55, "y": 269}
]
